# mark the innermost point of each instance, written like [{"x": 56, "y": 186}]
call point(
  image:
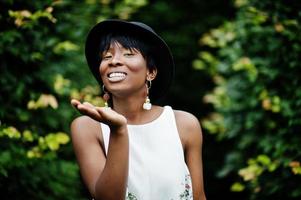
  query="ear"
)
[{"x": 151, "y": 74}]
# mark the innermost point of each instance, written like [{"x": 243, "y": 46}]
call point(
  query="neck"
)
[{"x": 130, "y": 107}]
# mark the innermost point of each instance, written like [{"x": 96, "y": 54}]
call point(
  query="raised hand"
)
[{"x": 105, "y": 115}]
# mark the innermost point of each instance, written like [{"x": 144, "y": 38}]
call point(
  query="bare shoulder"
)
[
  {"x": 84, "y": 127},
  {"x": 190, "y": 132},
  {"x": 188, "y": 126},
  {"x": 187, "y": 120}
]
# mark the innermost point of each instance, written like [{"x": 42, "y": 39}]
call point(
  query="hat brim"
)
[{"x": 162, "y": 54}]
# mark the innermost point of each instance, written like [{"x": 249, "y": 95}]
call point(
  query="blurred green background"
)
[{"x": 238, "y": 70}]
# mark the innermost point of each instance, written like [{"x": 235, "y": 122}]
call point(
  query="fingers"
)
[
  {"x": 104, "y": 111},
  {"x": 110, "y": 117},
  {"x": 101, "y": 114},
  {"x": 89, "y": 105},
  {"x": 89, "y": 111},
  {"x": 86, "y": 109},
  {"x": 75, "y": 102}
]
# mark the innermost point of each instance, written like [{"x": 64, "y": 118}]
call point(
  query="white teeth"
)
[{"x": 116, "y": 76}]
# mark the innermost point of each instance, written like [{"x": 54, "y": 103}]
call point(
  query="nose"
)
[{"x": 116, "y": 61}]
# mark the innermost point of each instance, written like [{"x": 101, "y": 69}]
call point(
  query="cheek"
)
[
  {"x": 139, "y": 66},
  {"x": 102, "y": 72}
]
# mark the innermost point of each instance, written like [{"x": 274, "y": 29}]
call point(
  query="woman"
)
[{"x": 131, "y": 149}]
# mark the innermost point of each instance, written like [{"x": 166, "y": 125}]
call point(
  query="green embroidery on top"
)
[
  {"x": 187, "y": 193},
  {"x": 131, "y": 196}
]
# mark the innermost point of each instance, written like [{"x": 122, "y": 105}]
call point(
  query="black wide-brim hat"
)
[{"x": 162, "y": 54}]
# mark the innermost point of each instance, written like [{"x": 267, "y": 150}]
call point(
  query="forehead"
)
[
  {"x": 125, "y": 41},
  {"x": 117, "y": 46}
]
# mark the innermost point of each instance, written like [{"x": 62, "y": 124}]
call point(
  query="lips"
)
[{"x": 116, "y": 76}]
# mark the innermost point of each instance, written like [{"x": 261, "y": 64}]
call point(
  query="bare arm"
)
[
  {"x": 105, "y": 177},
  {"x": 191, "y": 137}
]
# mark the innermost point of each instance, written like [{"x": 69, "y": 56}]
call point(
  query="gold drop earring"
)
[
  {"x": 147, "y": 104},
  {"x": 106, "y": 96}
]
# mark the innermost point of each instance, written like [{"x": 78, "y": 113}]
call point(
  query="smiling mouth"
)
[{"x": 116, "y": 76}]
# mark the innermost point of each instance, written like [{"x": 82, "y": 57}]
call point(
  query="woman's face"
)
[{"x": 123, "y": 71}]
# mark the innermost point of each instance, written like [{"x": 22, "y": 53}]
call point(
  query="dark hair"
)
[{"x": 130, "y": 42}]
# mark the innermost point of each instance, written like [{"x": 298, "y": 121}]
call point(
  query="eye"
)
[
  {"x": 128, "y": 54},
  {"x": 106, "y": 56}
]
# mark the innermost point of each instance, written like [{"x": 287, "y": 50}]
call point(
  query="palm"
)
[{"x": 101, "y": 114}]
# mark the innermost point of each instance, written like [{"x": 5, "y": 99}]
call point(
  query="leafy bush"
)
[
  {"x": 42, "y": 67},
  {"x": 254, "y": 60}
]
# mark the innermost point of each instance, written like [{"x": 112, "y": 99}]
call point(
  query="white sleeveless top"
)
[{"x": 157, "y": 169}]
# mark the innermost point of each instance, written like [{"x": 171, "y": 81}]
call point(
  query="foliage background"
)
[{"x": 238, "y": 70}]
